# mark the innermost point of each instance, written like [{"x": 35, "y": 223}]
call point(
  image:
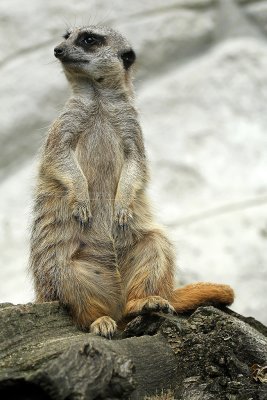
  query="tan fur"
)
[
  {"x": 191, "y": 296},
  {"x": 94, "y": 245}
]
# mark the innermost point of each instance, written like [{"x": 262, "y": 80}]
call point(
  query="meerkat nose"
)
[{"x": 58, "y": 52}]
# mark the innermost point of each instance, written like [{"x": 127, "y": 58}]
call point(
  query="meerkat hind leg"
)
[
  {"x": 99, "y": 305},
  {"x": 147, "y": 274},
  {"x": 91, "y": 287}
]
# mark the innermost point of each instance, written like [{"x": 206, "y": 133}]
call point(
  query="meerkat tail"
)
[{"x": 194, "y": 295}]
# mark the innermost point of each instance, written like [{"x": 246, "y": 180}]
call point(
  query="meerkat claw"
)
[
  {"x": 122, "y": 217},
  {"x": 81, "y": 212},
  {"x": 148, "y": 305},
  {"x": 104, "y": 326},
  {"x": 165, "y": 308}
]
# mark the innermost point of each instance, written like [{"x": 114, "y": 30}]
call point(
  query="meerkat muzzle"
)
[{"x": 59, "y": 52}]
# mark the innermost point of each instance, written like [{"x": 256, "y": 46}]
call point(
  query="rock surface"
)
[{"x": 201, "y": 90}]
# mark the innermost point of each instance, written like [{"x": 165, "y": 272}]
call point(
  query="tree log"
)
[{"x": 210, "y": 354}]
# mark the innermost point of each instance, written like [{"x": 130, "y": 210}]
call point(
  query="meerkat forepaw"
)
[
  {"x": 81, "y": 212},
  {"x": 123, "y": 217},
  {"x": 104, "y": 326}
]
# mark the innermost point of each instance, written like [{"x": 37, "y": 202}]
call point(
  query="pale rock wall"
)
[{"x": 202, "y": 94}]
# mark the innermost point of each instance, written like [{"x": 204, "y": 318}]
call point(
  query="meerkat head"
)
[{"x": 96, "y": 53}]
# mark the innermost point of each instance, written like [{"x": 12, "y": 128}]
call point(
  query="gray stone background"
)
[{"x": 201, "y": 87}]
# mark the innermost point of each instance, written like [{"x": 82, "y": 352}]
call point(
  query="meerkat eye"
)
[
  {"x": 89, "y": 39},
  {"x": 128, "y": 57}
]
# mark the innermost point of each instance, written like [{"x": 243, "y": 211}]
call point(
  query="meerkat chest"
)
[{"x": 100, "y": 151}]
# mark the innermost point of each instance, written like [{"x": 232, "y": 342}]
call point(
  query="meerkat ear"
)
[{"x": 128, "y": 57}]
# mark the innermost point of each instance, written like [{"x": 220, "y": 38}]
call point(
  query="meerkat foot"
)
[
  {"x": 104, "y": 326},
  {"x": 147, "y": 305},
  {"x": 81, "y": 212}
]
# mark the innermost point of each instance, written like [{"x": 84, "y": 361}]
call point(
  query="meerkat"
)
[{"x": 94, "y": 244}]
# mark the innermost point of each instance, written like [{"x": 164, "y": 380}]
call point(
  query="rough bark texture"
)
[{"x": 210, "y": 354}]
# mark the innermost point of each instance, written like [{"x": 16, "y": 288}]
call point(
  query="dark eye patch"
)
[
  {"x": 128, "y": 57},
  {"x": 89, "y": 39}
]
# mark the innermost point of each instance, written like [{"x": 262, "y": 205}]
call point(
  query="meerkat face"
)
[{"x": 98, "y": 53}]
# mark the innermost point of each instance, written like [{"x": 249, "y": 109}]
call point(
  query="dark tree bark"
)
[{"x": 210, "y": 354}]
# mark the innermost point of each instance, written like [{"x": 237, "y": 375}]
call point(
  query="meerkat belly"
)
[{"x": 100, "y": 157}]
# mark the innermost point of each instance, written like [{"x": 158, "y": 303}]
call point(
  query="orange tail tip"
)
[{"x": 194, "y": 295}]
